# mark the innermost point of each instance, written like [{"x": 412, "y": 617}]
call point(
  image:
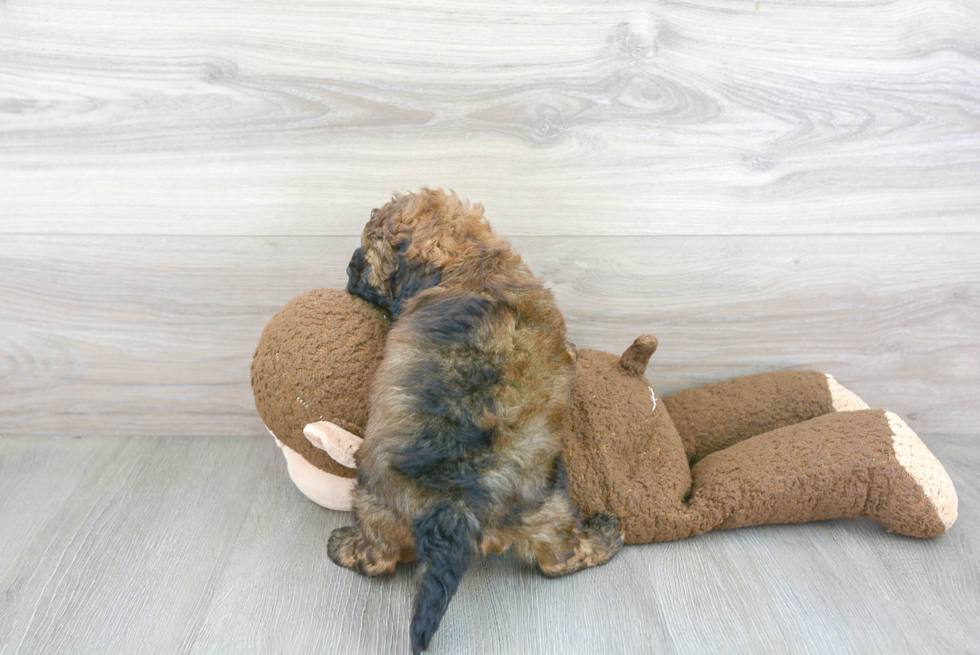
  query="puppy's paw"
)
[
  {"x": 593, "y": 544},
  {"x": 605, "y": 527},
  {"x": 348, "y": 547},
  {"x": 340, "y": 547}
]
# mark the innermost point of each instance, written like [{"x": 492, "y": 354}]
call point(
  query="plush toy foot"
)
[{"x": 920, "y": 503}]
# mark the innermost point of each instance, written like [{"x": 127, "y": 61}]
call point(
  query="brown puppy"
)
[{"x": 463, "y": 452}]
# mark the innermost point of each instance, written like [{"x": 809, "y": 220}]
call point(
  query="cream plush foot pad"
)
[
  {"x": 842, "y": 399},
  {"x": 923, "y": 467}
]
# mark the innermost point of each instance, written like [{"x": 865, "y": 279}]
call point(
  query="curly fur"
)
[{"x": 462, "y": 452}]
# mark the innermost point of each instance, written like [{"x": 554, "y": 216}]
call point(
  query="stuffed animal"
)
[{"x": 784, "y": 447}]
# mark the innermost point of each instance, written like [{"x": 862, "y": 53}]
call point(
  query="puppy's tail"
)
[{"x": 444, "y": 544}]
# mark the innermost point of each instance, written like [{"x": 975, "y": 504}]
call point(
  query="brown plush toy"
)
[{"x": 783, "y": 447}]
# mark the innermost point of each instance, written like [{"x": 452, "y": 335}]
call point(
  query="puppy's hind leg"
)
[
  {"x": 372, "y": 547},
  {"x": 350, "y": 547},
  {"x": 562, "y": 543}
]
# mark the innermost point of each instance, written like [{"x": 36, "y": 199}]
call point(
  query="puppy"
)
[{"x": 462, "y": 452}]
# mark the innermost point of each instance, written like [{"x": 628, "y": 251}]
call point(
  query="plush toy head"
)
[{"x": 313, "y": 363}]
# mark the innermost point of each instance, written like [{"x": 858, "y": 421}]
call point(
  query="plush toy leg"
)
[
  {"x": 719, "y": 415},
  {"x": 863, "y": 463}
]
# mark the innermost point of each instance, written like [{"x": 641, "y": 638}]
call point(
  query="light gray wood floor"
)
[{"x": 203, "y": 545}]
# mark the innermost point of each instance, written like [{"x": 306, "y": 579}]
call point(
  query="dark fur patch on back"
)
[
  {"x": 451, "y": 448},
  {"x": 452, "y": 399},
  {"x": 452, "y": 318}
]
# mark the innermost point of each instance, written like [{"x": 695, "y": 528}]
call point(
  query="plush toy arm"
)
[{"x": 716, "y": 416}]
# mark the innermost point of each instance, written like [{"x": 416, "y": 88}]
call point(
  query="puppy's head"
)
[{"x": 414, "y": 242}]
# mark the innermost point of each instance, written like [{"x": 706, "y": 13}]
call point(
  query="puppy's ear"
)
[{"x": 410, "y": 278}]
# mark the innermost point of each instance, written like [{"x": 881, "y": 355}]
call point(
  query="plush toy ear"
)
[
  {"x": 335, "y": 440},
  {"x": 410, "y": 277},
  {"x": 634, "y": 360}
]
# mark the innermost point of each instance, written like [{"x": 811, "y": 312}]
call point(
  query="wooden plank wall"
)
[{"x": 763, "y": 185}]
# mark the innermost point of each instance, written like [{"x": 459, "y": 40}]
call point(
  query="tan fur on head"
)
[{"x": 440, "y": 228}]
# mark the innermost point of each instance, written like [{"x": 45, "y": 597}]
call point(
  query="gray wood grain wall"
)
[{"x": 764, "y": 185}]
